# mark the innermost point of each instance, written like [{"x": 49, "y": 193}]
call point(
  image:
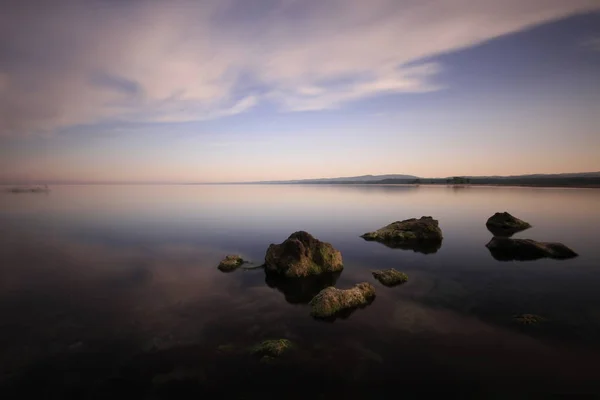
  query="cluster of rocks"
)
[
  {"x": 302, "y": 263},
  {"x": 504, "y": 248},
  {"x": 306, "y": 269}
]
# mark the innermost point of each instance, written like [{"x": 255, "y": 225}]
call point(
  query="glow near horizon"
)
[{"x": 157, "y": 92}]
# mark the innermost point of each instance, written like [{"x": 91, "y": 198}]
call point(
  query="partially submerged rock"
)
[
  {"x": 302, "y": 255},
  {"x": 226, "y": 348},
  {"x": 301, "y": 290},
  {"x": 506, "y": 249},
  {"x": 504, "y": 224},
  {"x": 528, "y": 319},
  {"x": 331, "y": 301},
  {"x": 271, "y": 349},
  {"x": 390, "y": 277},
  {"x": 423, "y": 235},
  {"x": 230, "y": 263}
]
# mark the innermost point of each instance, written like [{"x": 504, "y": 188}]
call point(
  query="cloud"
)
[
  {"x": 83, "y": 62},
  {"x": 590, "y": 43}
]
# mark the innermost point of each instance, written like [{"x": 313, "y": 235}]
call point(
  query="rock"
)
[
  {"x": 390, "y": 277},
  {"x": 422, "y": 235},
  {"x": 504, "y": 224},
  {"x": 230, "y": 263},
  {"x": 301, "y": 290},
  {"x": 528, "y": 319},
  {"x": 331, "y": 301},
  {"x": 506, "y": 249},
  {"x": 270, "y": 349},
  {"x": 226, "y": 348},
  {"x": 302, "y": 255}
]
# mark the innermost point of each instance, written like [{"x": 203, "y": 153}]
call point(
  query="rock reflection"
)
[
  {"x": 424, "y": 247},
  {"x": 301, "y": 290},
  {"x": 502, "y": 232}
]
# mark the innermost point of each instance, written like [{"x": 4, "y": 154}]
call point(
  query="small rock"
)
[
  {"x": 302, "y": 255},
  {"x": 272, "y": 348},
  {"x": 331, "y": 301},
  {"x": 504, "y": 224},
  {"x": 390, "y": 277},
  {"x": 226, "y": 348},
  {"x": 528, "y": 319},
  {"x": 230, "y": 263},
  {"x": 506, "y": 249}
]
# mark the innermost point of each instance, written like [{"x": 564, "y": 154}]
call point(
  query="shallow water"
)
[{"x": 114, "y": 289}]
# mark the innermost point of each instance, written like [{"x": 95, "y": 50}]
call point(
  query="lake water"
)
[{"x": 110, "y": 290}]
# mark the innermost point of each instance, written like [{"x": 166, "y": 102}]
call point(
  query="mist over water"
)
[{"x": 114, "y": 289}]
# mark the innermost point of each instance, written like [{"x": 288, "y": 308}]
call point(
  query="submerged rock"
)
[
  {"x": 230, "y": 263},
  {"x": 271, "y": 349},
  {"x": 423, "y": 235},
  {"x": 390, "y": 277},
  {"x": 331, "y": 301},
  {"x": 506, "y": 249},
  {"x": 504, "y": 224},
  {"x": 302, "y": 255},
  {"x": 528, "y": 319},
  {"x": 301, "y": 290}
]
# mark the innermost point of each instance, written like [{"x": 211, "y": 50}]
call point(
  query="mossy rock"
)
[
  {"x": 230, "y": 263},
  {"x": 390, "y": 277},
  {"x": 302, "y": 255},
  {"x": 528, "y": 319},
  {"x": 271, "y": 349},
  {"x": 331, "y": 301}
]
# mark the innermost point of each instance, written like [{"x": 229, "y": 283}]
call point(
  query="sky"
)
[{"x": 248, "y": 90}]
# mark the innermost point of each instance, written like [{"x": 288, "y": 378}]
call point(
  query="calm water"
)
[{"x": 114, "y": 290}]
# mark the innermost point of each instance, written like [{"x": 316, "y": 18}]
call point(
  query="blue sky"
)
[{"x": 259, "y": 90}]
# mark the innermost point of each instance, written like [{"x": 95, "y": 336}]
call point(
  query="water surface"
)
[{"x": 114, "y": 289}]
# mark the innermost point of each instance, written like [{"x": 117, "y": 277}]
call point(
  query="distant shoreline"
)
[{"x": 456, "y": 186}]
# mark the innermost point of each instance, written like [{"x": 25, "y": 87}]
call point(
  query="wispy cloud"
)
[
  {"x": 83, "y": 62},
  {"x": 591, "y": 44}
]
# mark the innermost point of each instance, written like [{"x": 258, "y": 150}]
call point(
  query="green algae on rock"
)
[
  {"x": 331, "y": 301},
  {"x": 528, "y": 319},
  {"x": 230, "y": 263},
  {"x": 272, "y": 348},
  {"x": 410, "y": 233},
  {"x": 390, "y": 277},
  {"x": 506, "y": 249},
  {"x": 302, "y": 255},
  {"x": 504, "y": 224}
]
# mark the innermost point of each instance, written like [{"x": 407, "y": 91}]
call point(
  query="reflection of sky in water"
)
[{"x": 132, "y": 268}]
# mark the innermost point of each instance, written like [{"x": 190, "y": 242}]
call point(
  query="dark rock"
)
[
  {"x": 302, "y": 255},
  {"x": 390, "y": 277},
  {"x": 504, "y": 224},
  {"x": 331, "y": 301},
  {"x": 528, "y": 319},
  {"x": 421, "y": 235},
  {"x": 506, "y": 249},
  {"x": 230, "y": 263},
  {"x": 301, "y": 290}
]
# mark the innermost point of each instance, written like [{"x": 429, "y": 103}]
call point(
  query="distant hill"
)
[
  {"x": 356, "y": 179},
  {"x": 580, "y": 179}
]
